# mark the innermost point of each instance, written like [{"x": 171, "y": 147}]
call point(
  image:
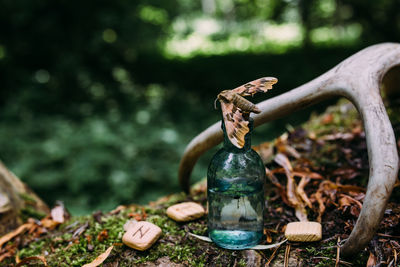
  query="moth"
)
[{"x": 236, "y": 109}]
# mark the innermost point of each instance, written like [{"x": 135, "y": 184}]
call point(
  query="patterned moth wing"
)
[
  {"x": 257, "y": 86},
  {"x": 236, "y": 109},
  {"x": 236, "y": 125}
]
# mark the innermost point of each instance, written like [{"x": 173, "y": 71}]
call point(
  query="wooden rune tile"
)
[
  {"x": 186, "y": 211},
  {"x": 303, "y": 231},
  {"x": 141, "y": 235}
]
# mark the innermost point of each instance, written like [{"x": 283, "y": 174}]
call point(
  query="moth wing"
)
[
  {"x": 235, "y": 124},
  {"x": 257, "y": 86}
]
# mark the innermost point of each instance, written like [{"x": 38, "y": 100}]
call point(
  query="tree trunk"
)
[{"x": 16, "y": 201}]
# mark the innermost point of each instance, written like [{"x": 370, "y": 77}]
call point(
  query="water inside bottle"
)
[{"x": 235, "y": 216}]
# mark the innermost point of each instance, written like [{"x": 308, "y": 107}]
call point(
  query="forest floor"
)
[{"x": 325, "y": 162}]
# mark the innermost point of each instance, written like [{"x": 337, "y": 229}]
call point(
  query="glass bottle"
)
[{"x": 235, "y": 192}]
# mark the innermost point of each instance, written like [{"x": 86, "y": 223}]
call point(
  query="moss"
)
[
  {"x": 28, "y": 198},
  {"x": 242, "y": 263},
  {"x": 30, "y": 212}
]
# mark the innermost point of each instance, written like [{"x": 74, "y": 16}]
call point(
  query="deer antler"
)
[{"x": 358, "y": 79}]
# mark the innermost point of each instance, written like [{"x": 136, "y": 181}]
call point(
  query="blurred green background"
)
[{"x": 99, "y": 98}]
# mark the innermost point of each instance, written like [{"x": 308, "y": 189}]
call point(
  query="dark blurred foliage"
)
[{"x": 94, "y": 113}]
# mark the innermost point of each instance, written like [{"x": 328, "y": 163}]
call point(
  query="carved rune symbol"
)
[{"x": 140, "y": 231}]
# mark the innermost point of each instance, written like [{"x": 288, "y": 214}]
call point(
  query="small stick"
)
[
  {"x": 327, "y": 258},
  {"x": 287, "y": 253},
  {"x": 386, "y": 235},
  {"x": 338, "y": 253},
  {"x": 272, "y": 256}
]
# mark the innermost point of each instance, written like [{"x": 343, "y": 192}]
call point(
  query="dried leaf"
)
[
  {"x": 57, "y": 214},
  {"x": 117, "y": 209},
  {"x": 371, "y": 260},
  {"x": 281, "y": 189},
  {"x": 16, "y": 232},
  {"x": 100, "y": 259},
  {"x": 300, "y": 190},
  {"x": 268, "y": 236},
  {"x": 265, "y": 150},
  {"x": 102, "y": 235},
  {"x": 321, "y": 205},
  {"x": 97, "y": 216},
  {"x": 346, "y": 172},
  {"x": 144, "y": 214},
  {"x": 355, "y": 205},
  {"x": 291, "y": 187},
  {"x": 283, "y": 147},
  {"x": 284, "y": 162},
  {"x": 336, "y": 136},
  {"x": 8, "y": 251},
  {"x": 49, "y": 223},
  {"x": 346, "y": 200},
  {"x": 311, "y": 175},
  {"x": 28, "y": 259},
  {"x": 80, "y": 230},
  {"x": 328, "y": 118}
]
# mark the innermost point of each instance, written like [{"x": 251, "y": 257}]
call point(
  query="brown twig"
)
[
  {"x": 272, "y": 256},
  {"x": 340, "y": 261},
  {"x": 338, "y": 253},
  {"x": 386, "y": 235},
  {"x": 287, "y": 253}
]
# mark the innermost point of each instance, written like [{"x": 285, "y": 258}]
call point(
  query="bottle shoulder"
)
[
  {"x": 225, "y": 161},
  {"x": 232, "y": 155}
]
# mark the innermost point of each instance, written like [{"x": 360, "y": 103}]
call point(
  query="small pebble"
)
[
  {"x": 141, "y": 235},
  {"x": 303, "y": 231},
  {"x": 186, "y": 211}
]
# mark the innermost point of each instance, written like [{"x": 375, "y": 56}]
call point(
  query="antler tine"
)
[{"x": 358, "y": 79}]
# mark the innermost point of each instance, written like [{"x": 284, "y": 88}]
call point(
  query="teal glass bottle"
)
[{"x": 235, "y": 192}]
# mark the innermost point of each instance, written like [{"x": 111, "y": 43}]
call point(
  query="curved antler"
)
[{"x": 358, "y": 79}]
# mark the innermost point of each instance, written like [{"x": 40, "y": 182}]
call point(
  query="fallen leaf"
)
[
  {"x": 328, "y": 118},
  {"x": 28, "y": 259},
  {"x": 80, "y": 230},
  {"x": 100, "y": 259},
  {"x": 371, "y": 260},
  {"x": 16, "y": 232},
  {"x": 347, "y": 200},
  {"x": 144, "y": 214},
  {"x": 102, "y": 235},
  {"x": 355, "y": 205},
  {"x": 346, "y": 172},
  {"x": 135, "y": 215},
  {"x": 265, "y": 150},
  {"x": 267, "y": 235},
  {"x": 57, "y": 214},
  {"x": 300, "y": 190},
  {"x": 97, "y": 216},
  {"x": 284, "y": 162},
  {"x": 281, "y": 188},
  {"x": 282, "y": 146},
  {"x": 321, "y": 205},
  {"x": 117, "y": 209},
  {"x": 291, "y": 187},
  {"x": 8, "y": 251},
  {"x": 342, "y": 136},
  {"x": 49, "y": 223}
]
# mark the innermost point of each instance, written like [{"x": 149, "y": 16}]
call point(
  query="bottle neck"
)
[{"x": 247, "y": 138}]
